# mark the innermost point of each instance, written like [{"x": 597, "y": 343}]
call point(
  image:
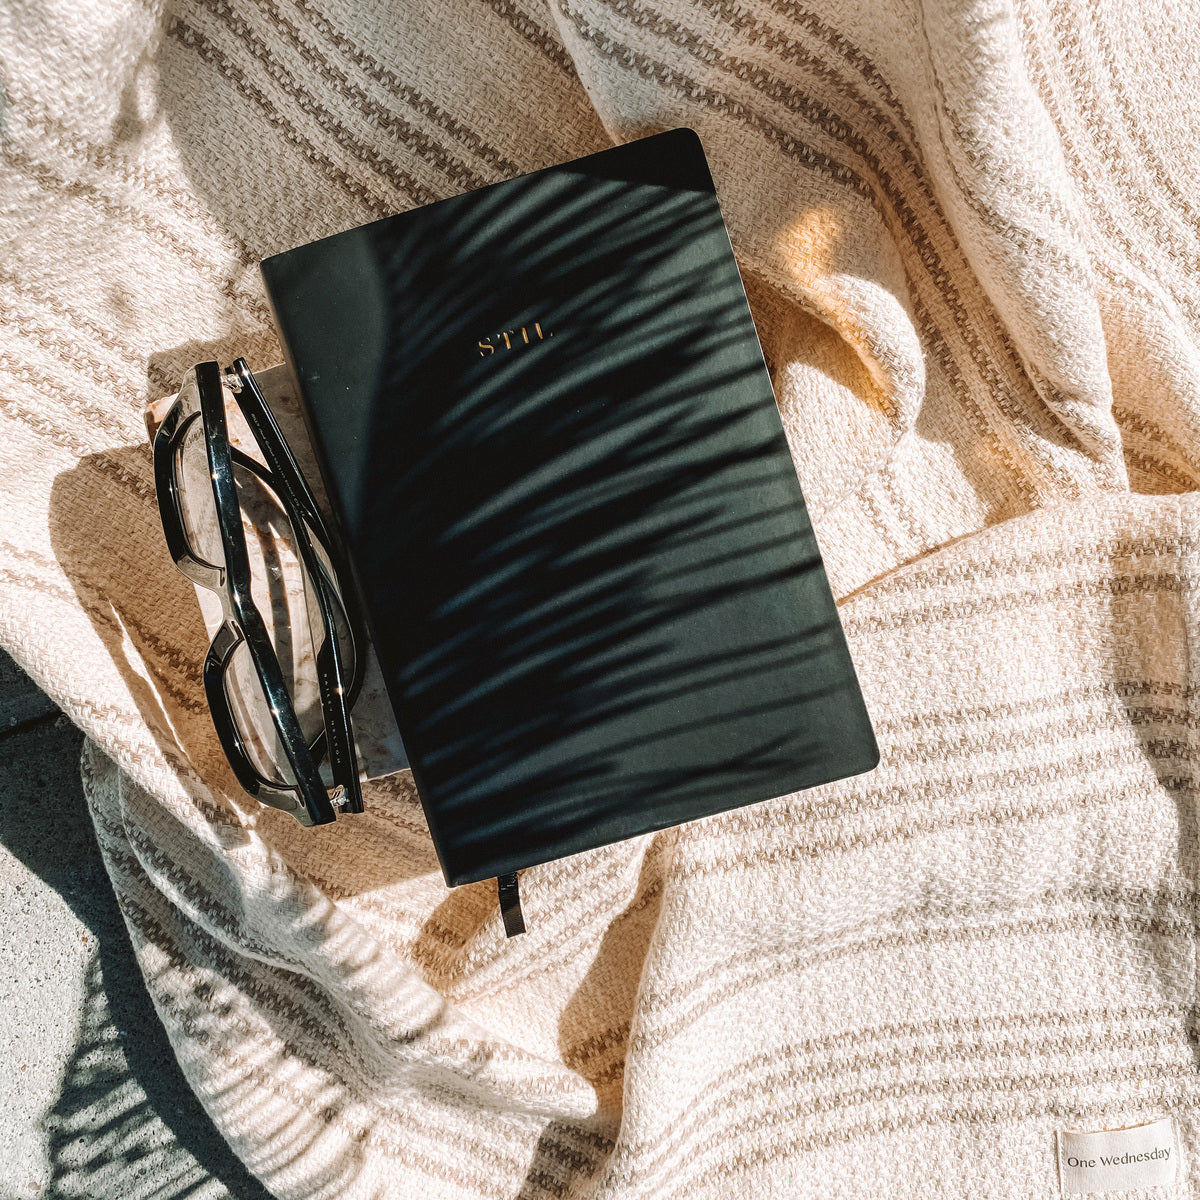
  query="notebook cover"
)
[{"x": 544, "y": 420}]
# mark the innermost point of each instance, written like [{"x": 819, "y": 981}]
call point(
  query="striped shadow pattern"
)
[{"x": 969, "y": 236}]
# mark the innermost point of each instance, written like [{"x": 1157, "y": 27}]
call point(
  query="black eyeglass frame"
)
[{"x": 339, "y": 683}]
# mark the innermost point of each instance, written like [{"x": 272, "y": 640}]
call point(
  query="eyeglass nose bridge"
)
[{"x": 314, "y": 810}]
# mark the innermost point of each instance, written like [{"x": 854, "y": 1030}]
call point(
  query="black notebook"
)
[{"x": 551, "y": 443}]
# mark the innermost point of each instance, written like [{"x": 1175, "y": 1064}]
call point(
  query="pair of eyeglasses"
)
[{"x": 287, "y": 662}]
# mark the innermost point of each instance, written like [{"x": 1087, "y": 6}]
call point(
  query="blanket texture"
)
[{"x": 970, "y": 234}]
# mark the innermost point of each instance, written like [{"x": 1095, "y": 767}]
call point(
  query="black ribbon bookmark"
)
[{"x": 510, "y": 904}]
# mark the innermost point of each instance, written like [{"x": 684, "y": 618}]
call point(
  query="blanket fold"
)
[{"x": 969, "y": 236}]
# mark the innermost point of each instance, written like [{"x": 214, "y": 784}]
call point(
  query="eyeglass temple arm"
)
[{"x": 287, "y": 479}]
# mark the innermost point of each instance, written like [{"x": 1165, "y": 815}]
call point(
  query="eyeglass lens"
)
[
  {"x": 282, "y": 592},
  {"x": 197, "y": 507}
]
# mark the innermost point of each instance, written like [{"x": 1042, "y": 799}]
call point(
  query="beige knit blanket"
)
[{"x": 970, "y": 233}]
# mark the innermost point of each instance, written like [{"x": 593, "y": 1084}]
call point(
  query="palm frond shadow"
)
[{"x": 596, "y": 584}]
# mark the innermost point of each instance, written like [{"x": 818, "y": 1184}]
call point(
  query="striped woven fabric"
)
[{"x": 970, "y": 234}]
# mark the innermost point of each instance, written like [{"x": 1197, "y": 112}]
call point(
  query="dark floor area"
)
[{"x": 97, "y": 1105}]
